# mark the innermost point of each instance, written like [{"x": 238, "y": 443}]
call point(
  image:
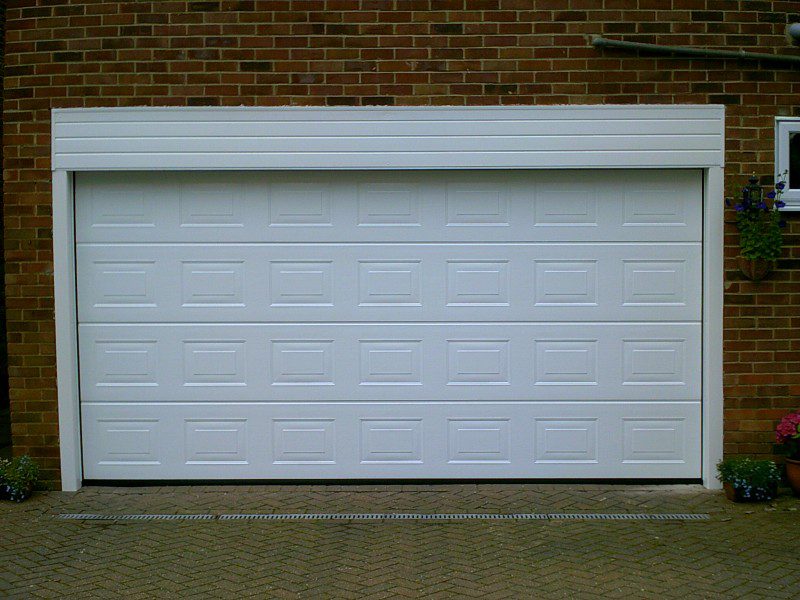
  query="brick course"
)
[{"x": 395, "y": 52}]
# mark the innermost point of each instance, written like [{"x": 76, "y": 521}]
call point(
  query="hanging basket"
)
[{"x": 755, "y": 269}]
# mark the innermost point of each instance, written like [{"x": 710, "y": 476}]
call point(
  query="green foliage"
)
[
  {"x": 760, "y": 234},
  {"x": 18, "y": 476},
  {"x": 741, "y": 471},
  {"x": 759, "y": 222}
]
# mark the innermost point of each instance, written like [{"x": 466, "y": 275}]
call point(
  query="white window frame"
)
[
  {"x": 784, "y": 127},
  {"x": 559, "y": 137}
]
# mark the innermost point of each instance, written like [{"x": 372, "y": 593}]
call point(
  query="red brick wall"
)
[
  {"x": 394, "y": 52},
  {"x": 4, "y": 400}
]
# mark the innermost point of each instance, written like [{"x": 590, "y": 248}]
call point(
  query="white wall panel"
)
[{"x": 398, "y": 137}]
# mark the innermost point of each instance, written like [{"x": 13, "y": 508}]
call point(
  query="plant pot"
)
[
  {"x": 755, "y": 269},
  {"x": 793, "y": 475},
  {"x": 737, "y": 494},
  {"x": 8, "y": 492}
]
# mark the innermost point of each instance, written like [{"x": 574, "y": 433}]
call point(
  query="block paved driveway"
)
[{"x": 742, "y": 551}]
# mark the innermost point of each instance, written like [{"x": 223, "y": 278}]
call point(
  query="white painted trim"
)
[
  {"x": 452, "y": 137},
  {"x": 713, "y": 292},
  {"x": 710, "y": 161},
  {"x": 784, "y": 126},
  {"x": 69, "y": 423}
]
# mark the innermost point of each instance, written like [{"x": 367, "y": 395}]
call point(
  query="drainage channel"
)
[{"x": 392, "y": 517}]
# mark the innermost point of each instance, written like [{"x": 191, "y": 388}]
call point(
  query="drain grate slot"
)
[
  {"x": 134, "y": 517},
  {"x": 392, "y": 517}
]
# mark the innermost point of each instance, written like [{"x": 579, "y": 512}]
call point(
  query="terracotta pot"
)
[
  {"x": 755, "y": 269},
  {"x": 793, "y": 475},
  {"x": 730, "y": 491}
]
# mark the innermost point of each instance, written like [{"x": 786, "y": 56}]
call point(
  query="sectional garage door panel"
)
[
  {"x": 384, "y": 282},
  {"x": 390, "y": 324},
  {"x": 439, "y": 440},
  {"x": 402, "y": 362},
  {"x": 418, "y": 206}
]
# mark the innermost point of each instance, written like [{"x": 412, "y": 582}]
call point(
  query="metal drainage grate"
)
[
  {"x": 382, "y": 517},
  {"x": 91, "y": 517},
  {"x": 630, "y": 516},
  {"x": 396, "y": 517}
]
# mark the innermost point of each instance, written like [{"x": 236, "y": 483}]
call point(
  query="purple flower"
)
[
  {"x": 780, "y": 185},
  {"x": 762, "y": 205},
  {"x": 739, "y": 208},
  {"x": 770, "y": 195},
  {"x": 780, "y": 203}
]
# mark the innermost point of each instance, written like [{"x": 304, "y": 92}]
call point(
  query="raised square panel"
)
[
  {"x": 211, "y": 204},
  {"x": 291, "y": 205},
  {"x": 565, "y": 283},
  {"x": 304, "y": 283},
  {"x": 302, "y": 362},
  {"x": 212, "y": 283},
  {"x": 214, "y": 442},
  {"x": 653, "y": 207},
  {"x": 121, "y": 284},
  {"x": 127, "y": 441},
  {"x": 125, "y": 363},
  {"x": 477, "y": 362},
  {"x": 393, "y": 283},
  {"x": 391, "y": 362},
  {"x": 121, "y": 205},
  {"x": 565, "y": 440},
  {"x": 565, "y": 206},
  {"x": 388, "y": 204},
  {"x": 565, "y": 362},
  {"x": 654, "y": 362},
  {"x": 214, "y": 363},
  {"x": 655, "y": 282},
  {"x": 303, "y": 441},
  {"x": 476, "y": 205},
  {"x": 478, "y": 441},
  {"x": 477, "y": 282},
  {"x": 654, "y": 440},
  {"x": 392, "y": 441}
]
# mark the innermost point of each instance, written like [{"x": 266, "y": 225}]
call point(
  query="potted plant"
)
[
  {"x": 748, "y": 479},
  {"x": 787, "y": 434},
  {"x": 759, "y": 222},
  {"x": 17, "y": 478}
]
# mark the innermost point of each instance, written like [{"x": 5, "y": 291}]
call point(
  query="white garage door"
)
[{"x": 438, "y": 324}]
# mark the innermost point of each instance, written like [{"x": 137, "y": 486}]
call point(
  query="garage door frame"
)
[{"x": 297, "y": 138}]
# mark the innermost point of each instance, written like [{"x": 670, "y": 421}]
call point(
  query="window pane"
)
[{"x": 794, "y": 160}]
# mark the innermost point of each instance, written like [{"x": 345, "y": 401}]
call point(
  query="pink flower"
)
[{"x": 788, "y": 428}]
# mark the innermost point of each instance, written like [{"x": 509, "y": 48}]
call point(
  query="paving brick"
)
[{"x": 743, "y": 551}]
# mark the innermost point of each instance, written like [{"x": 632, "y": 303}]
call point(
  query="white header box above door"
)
[{"x": 523, "y": 137}]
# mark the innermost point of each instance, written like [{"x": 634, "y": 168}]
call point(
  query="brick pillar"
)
[{"x": 5, "y": 425}]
